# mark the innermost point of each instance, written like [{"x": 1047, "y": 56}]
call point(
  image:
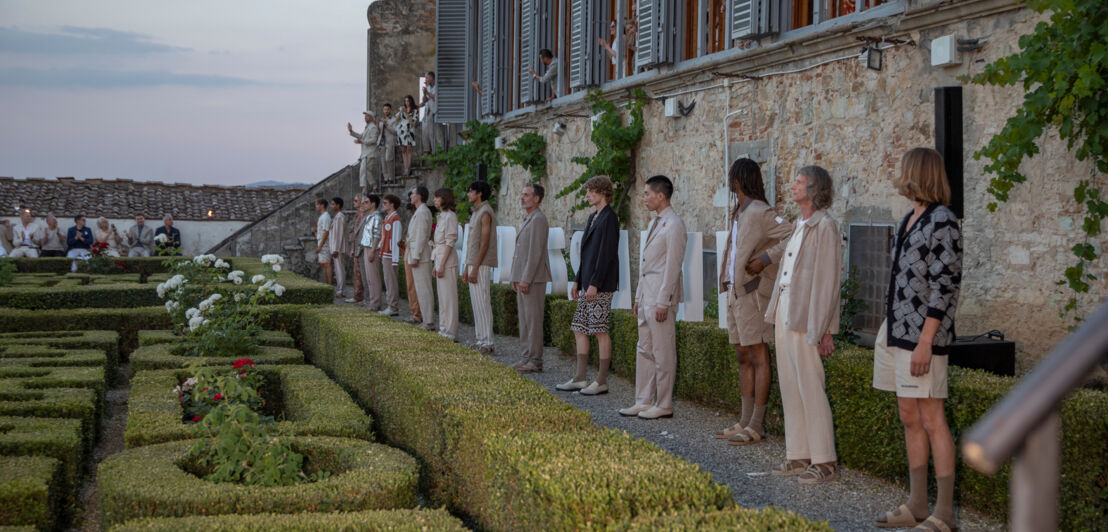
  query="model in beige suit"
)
[
  {"x": 337, "y": 240},
  {"x": 755, "y": 242},
  {"x": 656, "y": 299},
  {"x": 530, "y": 273},
  {"x": 419, "y": 254},
  {"x": 445, "y": 258},
  {"x": 805, "y": 310}
]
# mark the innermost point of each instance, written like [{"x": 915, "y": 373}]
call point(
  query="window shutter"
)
[
  {"x": 528, "y": 54},
  {"x": 584, "y": 68},
  {"x": 452, "y": 38},
  {"x": 487, "y": 53},
  {"x": 657, "y": 37},
  {"x": 751, "y": 19}
]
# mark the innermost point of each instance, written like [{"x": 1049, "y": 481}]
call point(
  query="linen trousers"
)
[
  {"x": 371, "y": 281},
  {"x": 421, "y": 274},
  {"x": 357, "y": 276},
  {"x": 448, "y": 302},
  {"x": 655, "y": 359},
  {"x": 530, "y": 312},
  {"x": 481, "y": 299},
  {"x": 24, "y": 251},
  {"x": 392, "y": 287},
  {"x": 340, "y": 273},
  {"x": 410, "y": 289},
  {"x": 368, "y": 170},
  {"x": 809, "y": 429}
]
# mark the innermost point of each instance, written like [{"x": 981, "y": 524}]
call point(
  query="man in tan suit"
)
[
  {"x": 337, "y": 241},
  {"x": 419, "y": 255},
  {"x": 530, "y": 273},
  {"x": 656, "y": 299}
]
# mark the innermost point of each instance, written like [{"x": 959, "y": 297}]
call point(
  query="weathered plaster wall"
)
[
  {"x": 401, "y": 48},
  {"x": 857, "y": 123}
]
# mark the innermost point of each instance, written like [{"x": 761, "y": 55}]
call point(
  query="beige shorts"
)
[
  {"x": 324, "y": 255},
  {"x": 892, "y": 372},
  {"x": 746, "y": 319}
]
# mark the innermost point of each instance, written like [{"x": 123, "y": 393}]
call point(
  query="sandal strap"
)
[{"x": 933, "y": 524}]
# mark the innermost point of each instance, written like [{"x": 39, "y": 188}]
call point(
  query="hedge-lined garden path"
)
[
  {"x": 850, "y": 504},
  {"x": 111, "y": 441}
]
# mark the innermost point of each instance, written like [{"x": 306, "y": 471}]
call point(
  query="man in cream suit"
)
[
  {"x": 340, "y": 248},
  {"x": 419, "y": 255},
  {"x": 140, "y": 238},
  {"x": 530, "y": 273},
  {"x": 656, "y": 299},
  {"x": 368, "y": 169}
]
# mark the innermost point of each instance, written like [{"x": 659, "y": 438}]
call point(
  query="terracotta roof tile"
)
[{"x": 123, "y": 198}]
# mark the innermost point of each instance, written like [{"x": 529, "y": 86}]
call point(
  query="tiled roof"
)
[{"x": 123, "y": 198}]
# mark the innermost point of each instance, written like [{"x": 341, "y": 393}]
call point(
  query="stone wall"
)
[
  {"x": 857, "y": 122},
  {"x": 400, "y": 46}
]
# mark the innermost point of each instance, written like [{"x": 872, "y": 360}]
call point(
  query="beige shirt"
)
[
  {"x": 813, "y": 280},
  {"x": 788, "y": 261},
  {"x": 473, "y": 241}
]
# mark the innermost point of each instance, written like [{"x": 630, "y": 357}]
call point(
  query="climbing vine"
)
[
  {"x": 461, "y": 163},
  {"x": 1063, "y": 67},
  {"x": 615, "y": 146},
  {"x": 529, "y": 152}
]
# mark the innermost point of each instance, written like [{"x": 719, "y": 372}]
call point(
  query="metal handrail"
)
[{"x": 996, "y": 437}]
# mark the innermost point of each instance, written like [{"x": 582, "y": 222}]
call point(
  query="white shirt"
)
[
  {"x": 321, "y": 225},
  {"x": 734, "y": 245},
  {"x": 788, "y": 261},
  {"x": 432, "y": 103}
]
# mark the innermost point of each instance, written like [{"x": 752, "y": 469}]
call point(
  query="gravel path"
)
[
  {"x": 850, "y": 504},
  {"x": 113, "y": 422}
]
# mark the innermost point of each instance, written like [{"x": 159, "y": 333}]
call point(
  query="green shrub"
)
[
  {"x": 313, "y": 405},
  {"x": 707, "y": 372},
  {"x": 106, "y": 341},
  {"x": 61, "y": 265},
  {"x": 270, "y": 338},
  {"x": 79, "y": 296},
  {"x": 151, "y": 482},
  {"x": 165, "y": 356},
  {"x": 367, "y": 521},
  {"x": 41, "y": 357},
  {"x": 7, "y": 271},
  {"x": 27, "y": 378},
  {"x": 30, "y": 491},
  {"x": 54, "y": 438},
  {"x": 74, "y": 403},
  {"x": 730, "y": 519},
  {"x": 540, "y": 481}
]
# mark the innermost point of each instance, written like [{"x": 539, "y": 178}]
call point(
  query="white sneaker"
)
[
  {"x": 633, "y": 411},
  {"x": 384, "y": 312},
  {"x": 348, "y": 300},
  {"x": 571, "y": 386},
  {"x": 655, "y": 413},
  {"x": 594, "y": 389}
]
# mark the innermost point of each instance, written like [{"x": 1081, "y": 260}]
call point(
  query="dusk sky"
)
[{"x": 202, "y": 91}]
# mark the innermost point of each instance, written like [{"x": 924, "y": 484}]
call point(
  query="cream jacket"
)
[{"x": 814, "y": 288}]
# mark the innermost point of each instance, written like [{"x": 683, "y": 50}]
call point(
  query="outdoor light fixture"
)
[
  {"x": 871, "y": 57},
  {"x": 209, "y": 213}
]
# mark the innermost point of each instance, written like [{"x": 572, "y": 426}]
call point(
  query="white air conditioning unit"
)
[{"x": 944, "y": 51}]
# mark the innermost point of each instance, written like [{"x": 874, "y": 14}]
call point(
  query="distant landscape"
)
[{"x": 277, "y": 184}]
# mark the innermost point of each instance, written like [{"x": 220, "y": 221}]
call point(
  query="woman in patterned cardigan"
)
[{"x": 909, "y": 354}]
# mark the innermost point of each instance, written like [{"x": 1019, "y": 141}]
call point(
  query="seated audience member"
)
[
  {"x": 6, "y": 246},
  {"x": 53, "y": 240},
  {"x": 79, "y": 240},
  {"x": 140, "y": 238},
  {"x": 26, "y": 236},
  {"x": 106, "y": 233},
  {"x": 172, "y": 234}
]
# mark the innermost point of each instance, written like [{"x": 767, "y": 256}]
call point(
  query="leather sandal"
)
[
  {"x": 791, "y": 468},
  {"x": 748, "y": 436},
  {"x": 934, "y": 524},
  {"x": 818, "y": 473},
  {"x": 729, "y": 431},
  {"x": 901, "y": 517}
]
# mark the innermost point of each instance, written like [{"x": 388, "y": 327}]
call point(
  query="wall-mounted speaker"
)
[
  {"x": 482, "y": 172},
  {"x": 948, "y": 142}
]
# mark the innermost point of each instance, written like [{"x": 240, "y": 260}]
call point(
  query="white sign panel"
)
[
  {"x": 622, "y": 298},
  {"x": 555, "y": 243},
  {"x": 505, "y": 250},
  {"x": 692, "y": 277},
  {"x": 721, "y": 248}
]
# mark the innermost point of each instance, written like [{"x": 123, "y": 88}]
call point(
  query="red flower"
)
[
  {"x": 218, "y": 396},
  {"x": 196, "y": 419},
  {"x": 204, "y": 389},
  {"x": 120, "y": 264},
  {"x": 243, "y": 362}
]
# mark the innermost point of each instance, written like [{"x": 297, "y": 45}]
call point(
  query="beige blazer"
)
[
  {"x": 762, "y": 234},
  {"x": 660, "y": 268},
  {"x": 336, "y": 238},
  {"x": 446, "y": 235},
  {"x": 531, "y": 263},
  {"x": 419, "y": 235},
  {"x": 814, "y": 289}
]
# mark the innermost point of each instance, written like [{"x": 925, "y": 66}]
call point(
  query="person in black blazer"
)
[{"x": 597, "y": 281}]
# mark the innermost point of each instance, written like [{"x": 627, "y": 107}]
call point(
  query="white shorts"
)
[
  {"x": 892, "y": 371},
  {"x": 324, "y": 255}
]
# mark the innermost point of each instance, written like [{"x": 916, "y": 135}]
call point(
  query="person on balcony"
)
[
  {"x": 368, "y": 168},
  {"x": 911, "y": 345},
  {"x": 550, "y": 77}
]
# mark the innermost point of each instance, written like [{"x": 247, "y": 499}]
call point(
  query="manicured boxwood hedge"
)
[
  {"x": 74, "y": 403},
  {"x": 150, "y": 482},
  {"x": 730, "y": 519},
  {"x": 54, "y": 438},
  {"x": 313, "y": 406},
  {"x": 163, "y": 336},
  {"x": 161, "y": 356},
  {"x": 367, "y": 521},
  {"x": 30, "y": 491},
  {"x": 104, "y": 340},
  {"x": 61, "y": 265},
  {"x": 460, "y": 413},
  {"x": 44, "y": 357},
  {"x": 867, "y": 426},
  {"x": 125, "y": 321},
  {"x": 541, "y": 481},
  {"x": 67, "y": 377}
]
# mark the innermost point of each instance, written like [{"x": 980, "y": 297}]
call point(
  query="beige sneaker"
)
[
  {"x": 594, "y": 389},
  {"x": 571, "y": 386}
]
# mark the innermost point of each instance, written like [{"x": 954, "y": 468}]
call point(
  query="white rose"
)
[
  {"x": 276, "y": 267},
  {"x": 195, "y": 322},
  {"x": 257, "y": 279},
  {"x": 190, "y": 313},
  {"x": 205, "y": 305},
  {"x": 216, "y": 296},
  {"x": 278, "y": 289},
  {"x": 161, "y": 238}
]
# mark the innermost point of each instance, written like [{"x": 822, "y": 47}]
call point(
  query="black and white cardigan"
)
[{"x": 926, "y": 278}]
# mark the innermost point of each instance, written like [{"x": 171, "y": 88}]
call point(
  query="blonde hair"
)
[
  {"x": 923, "y": 177},
  {"x": 601, "y": 185}
]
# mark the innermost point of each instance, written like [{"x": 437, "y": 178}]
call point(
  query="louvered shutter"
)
[
  {"x": 528, "y": 54},
  {"x": 487, "y": 53},
  {"x": 579, "y": 26},
  {"x": 657, "y": 37},
  {"x": 751, "y": 19},
  {"x": 452, "y": 40}
]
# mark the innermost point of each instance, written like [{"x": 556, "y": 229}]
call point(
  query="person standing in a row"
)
[
  {"x": 368, "y": 249},
  {"x": 530, "y": 273},
  {"x": 391, "y": 230},
  {"x": 480, "y": 260},
  {"x": 445, "y": 259},
  {"x": 596, "y": 283},
  {"x": 336, "y": 239},
  {"x": 656, "y": 299},
  {"x": 418, "y": 255},
  {"x": 804, "y": 308}
]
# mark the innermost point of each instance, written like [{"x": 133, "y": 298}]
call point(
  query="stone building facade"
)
[{"x": 803, "y": 97}]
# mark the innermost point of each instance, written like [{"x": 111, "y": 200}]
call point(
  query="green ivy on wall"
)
[
  {"x": 1063, "y": 67},
  {"x": 461, "y": 163},
  {"x": 529, "y": 152},
  {"x": 615, "y": 150}
]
